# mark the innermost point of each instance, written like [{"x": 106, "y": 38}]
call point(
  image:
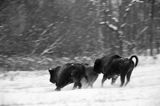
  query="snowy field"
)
[{"x": 34, "y": 89}]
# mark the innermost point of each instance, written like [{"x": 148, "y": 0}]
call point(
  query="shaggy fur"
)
[
  {"x": 92, "y": 76},
  {"x": 115, "y": 66},
  {"x": 66, "y": 74},
  {"x": 122, "y": 67}
]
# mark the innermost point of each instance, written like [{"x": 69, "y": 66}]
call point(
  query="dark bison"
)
[
  {"x": 100, "y": 63},
  {"x": 115, "y": 66},
  {"x": 91, "y": 75},
  {"x": 66, "y": 74}
]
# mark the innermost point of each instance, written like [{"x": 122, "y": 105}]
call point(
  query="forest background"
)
[{"x": 38, "y": 34}]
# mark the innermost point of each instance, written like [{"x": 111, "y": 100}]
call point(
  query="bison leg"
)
[
  {"x": 79, "y": 85},
  {"x": 86, "y": 77},
  {"x": 74, "y": 86},
  {"x": 91, "y": 85},
  {"x": 104, "y": 78},
  {"x": 128, "y": 77},
  {"x": 114, "y": 79},
  {"x": 122, "y": 79},
  {"x": 58, "y": 89}
]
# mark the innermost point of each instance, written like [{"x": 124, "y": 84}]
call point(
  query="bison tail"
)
[{"x": 134, "y": 56}]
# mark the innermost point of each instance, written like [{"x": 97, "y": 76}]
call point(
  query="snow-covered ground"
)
[{"x": 34, "y": 89}]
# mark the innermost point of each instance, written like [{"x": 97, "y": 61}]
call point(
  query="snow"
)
[
  {"x": 123, "y": 25},
  {"x": 137, "y": 1},
  {"x": 127, "y": 9},
  {"x": 113, "y": 26},
  {"x": 32, "y": 88},
  {"x": 115, "y": 19},
  {"x": 102, "y": 22}
]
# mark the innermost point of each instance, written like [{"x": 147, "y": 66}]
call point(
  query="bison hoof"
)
[
  {"x": 57, "y": 89},
  {"x": 121, "y": 85}
]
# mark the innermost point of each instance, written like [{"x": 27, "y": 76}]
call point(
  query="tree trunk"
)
[{"x": 152, "y": 28}]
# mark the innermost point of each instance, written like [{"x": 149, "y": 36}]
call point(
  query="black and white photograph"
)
[{"x": 79, "y": 52}]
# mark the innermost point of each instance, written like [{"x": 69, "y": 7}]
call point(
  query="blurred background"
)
[{"x": 37, "y": 34}]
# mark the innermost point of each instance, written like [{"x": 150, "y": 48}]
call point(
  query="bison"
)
[
  {"x": 66, "y": 74},
  {"x": 114, "y": 66},
  {"x": 91, "y": 75}
]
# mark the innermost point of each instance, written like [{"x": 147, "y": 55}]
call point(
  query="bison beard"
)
[
  {"x": 115, "y": 66},
  {"x": 66, "y": 74}
]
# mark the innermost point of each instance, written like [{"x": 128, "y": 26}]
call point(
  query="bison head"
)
[{"x": 53, "y": 74}]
